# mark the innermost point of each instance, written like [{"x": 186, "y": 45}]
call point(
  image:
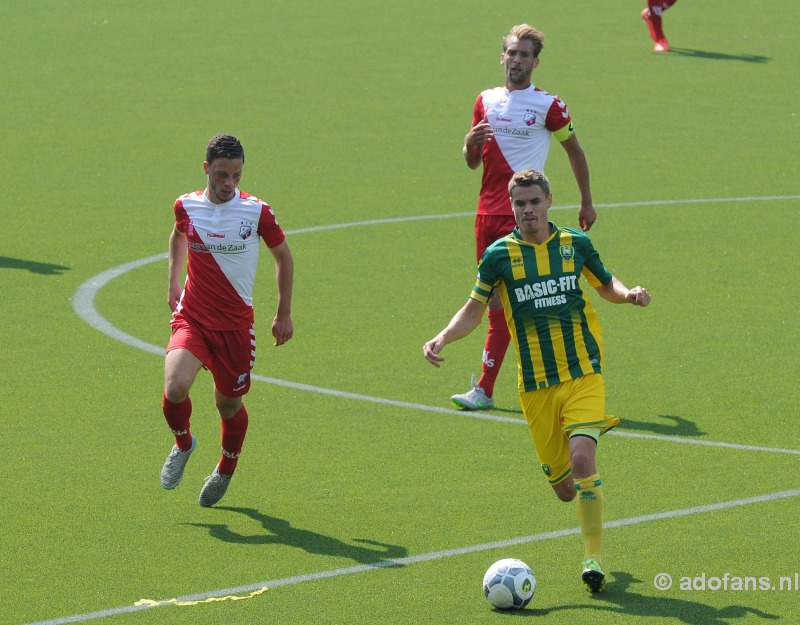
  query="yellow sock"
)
[{"x": 590, "y": 514}]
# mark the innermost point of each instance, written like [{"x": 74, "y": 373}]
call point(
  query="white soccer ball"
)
[{"x": 509, "y": 584}]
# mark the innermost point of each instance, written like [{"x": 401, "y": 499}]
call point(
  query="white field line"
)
[
  {"x": 390, "y": 220},
  {"x": 697, "y": 441},
  {"x": 423, "y": 557},
  {"x": 493, "y": 417}
]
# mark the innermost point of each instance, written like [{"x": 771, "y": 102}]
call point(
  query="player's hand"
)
[
  {"x": 282, "y": 330},
  {"x": 638, "y": 296},
  {"x": 479, "y": 134},
  {"x": 587, "y": 215},
  {"x": 173, "y": 297},
  {"x": 431, "y": 351}
]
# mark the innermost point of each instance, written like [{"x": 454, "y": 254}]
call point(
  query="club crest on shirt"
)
[
  {"x": 567, "y": 253},
  {"x": 245, "y": 231},
  {"x": 530, "y": 118}
]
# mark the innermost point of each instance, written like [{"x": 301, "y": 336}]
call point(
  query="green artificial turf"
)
[{"x": 360, "y": 496}]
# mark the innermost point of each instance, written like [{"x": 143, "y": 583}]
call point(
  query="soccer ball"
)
[{"x": 509, "y": 584}]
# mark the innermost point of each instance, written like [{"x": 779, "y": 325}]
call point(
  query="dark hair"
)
[
  {"x": 529, "y": 178},
  {"x": 224, "y": 146}
]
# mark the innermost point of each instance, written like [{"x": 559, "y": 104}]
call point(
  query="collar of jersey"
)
[{"x": 518, "y": 238}]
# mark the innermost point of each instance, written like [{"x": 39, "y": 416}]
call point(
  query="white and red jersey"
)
[
  {"x": 523, "y": 121},
  {"x": 223, "y": 257}
]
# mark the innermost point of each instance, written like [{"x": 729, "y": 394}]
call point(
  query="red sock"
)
[
  {"x": 233, "y": 431},
  {"x": 654, "y": 11},
  {"x": 494, "y": 351},
  {"x": 177, "y": 416}
]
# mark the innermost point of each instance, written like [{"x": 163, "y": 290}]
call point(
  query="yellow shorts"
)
[{"x": 556, "y": 412}]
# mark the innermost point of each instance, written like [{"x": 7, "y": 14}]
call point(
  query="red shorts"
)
[
  {"x": 489, "y": 228},
  {"x": 228, "y": 354}
]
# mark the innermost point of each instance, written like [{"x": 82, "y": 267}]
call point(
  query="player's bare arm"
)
[
  {"x": 282, "y": 325},
  {"x": 479, "y": 134},
  {"x": 616, "y": 292},
  {"x": 587, "y": 215},
  {"x": 462, "y": 323},
  {"x": 178, "y": 251}
]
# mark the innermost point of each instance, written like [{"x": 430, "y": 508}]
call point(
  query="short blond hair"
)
[{"x": 522, "y": 32}]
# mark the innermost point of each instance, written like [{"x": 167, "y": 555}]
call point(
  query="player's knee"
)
[
  {"x": 175, "y": 392},
  {"x": 583, "y": 465},
  {"x": 228, "y": 407},
  {"x": 565, "y": 490},
  {"x": 582, "y": 458}
]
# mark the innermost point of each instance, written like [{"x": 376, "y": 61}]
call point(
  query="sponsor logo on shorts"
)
[{"x": 241, "y": 382}]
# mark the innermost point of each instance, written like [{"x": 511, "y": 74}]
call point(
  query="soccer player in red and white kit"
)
[
  {"x": 652, "y": 15},
  {"x": 511, "y": 130},
  {"x": 218, "y": 231}
]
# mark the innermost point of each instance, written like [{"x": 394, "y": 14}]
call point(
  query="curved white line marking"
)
[{"x": 83, "y": 304}]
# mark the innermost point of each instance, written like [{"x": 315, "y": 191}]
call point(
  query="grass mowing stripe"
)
[
  {"x": 84, "y": 298},
  {"x": 392, "y": 220},
  {"x": 425, "y": 557},
  {"x": 492, "y": 417}
]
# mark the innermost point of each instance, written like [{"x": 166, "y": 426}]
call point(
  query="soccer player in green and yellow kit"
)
[{"x": 535, "y": 270}]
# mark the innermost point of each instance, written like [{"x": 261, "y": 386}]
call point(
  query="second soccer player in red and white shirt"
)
[{"x": 512, "y": 128}]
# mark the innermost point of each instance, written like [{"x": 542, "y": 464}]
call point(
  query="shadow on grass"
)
[
  {"x": 616, "y": 598},
  {"x": 506, "y": 410},
  {"x": 677, "y": 426},
  {"x": 280, "y": 532},
  {"x": 720, "y": 56},
  {"x": 674, "y": 425},
  {"x": 45, "y": 269}
]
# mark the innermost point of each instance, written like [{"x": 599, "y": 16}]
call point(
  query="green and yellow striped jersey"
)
[{"x": 551, "y": 320}]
